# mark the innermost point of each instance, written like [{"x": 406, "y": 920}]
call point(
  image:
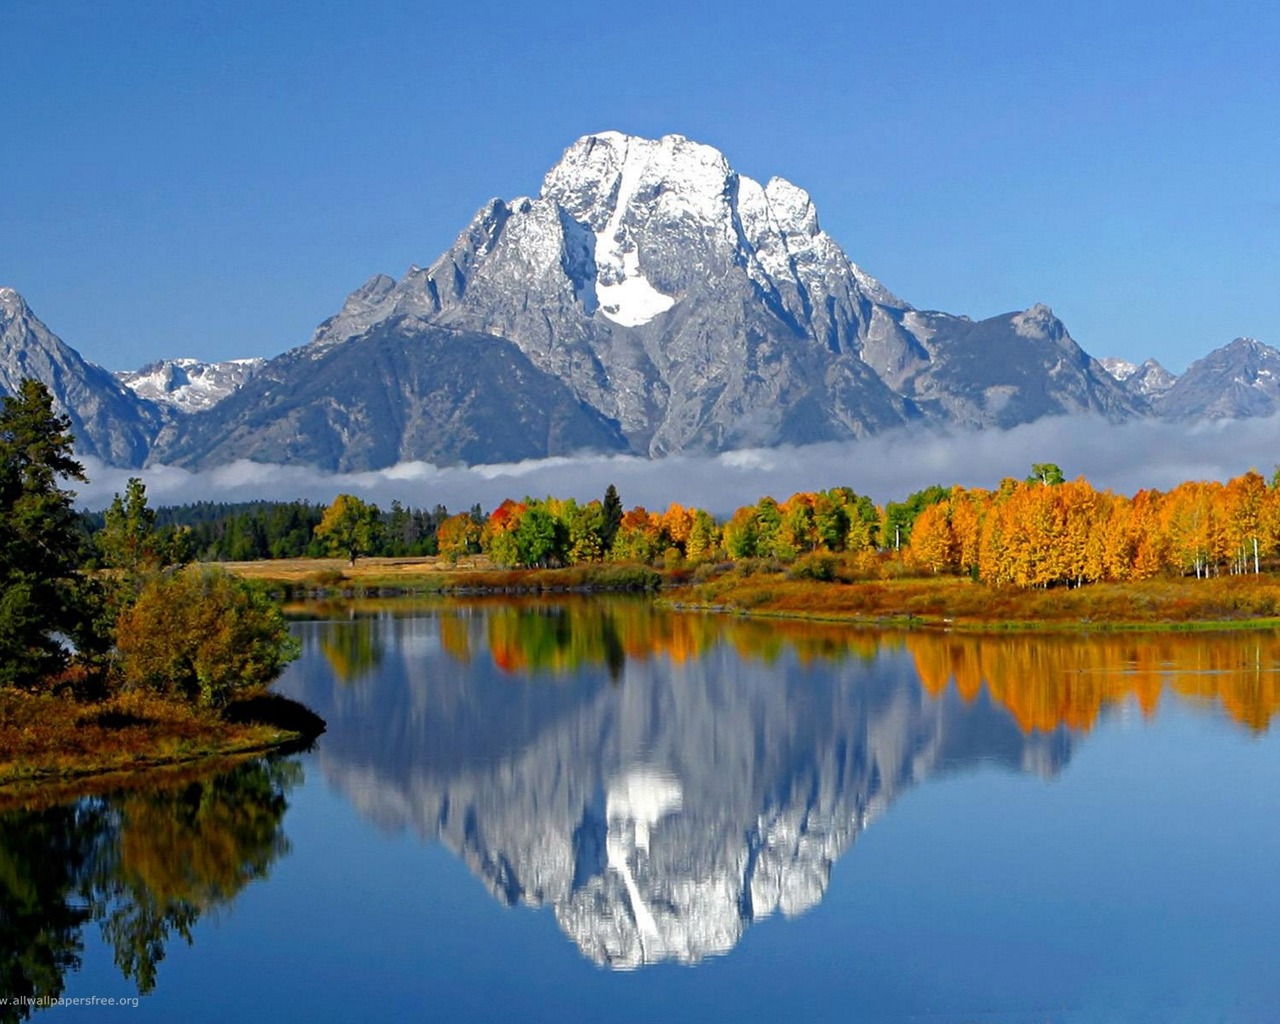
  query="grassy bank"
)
[
  {"x": 330, "y": 576},
  {"x": 60, "y": 743},
  {"x": 1228, "y": 601}
]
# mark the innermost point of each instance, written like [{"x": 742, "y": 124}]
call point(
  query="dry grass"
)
[
  {"x": 49, "y": 740},
  {"x": 1162, "y": 603},
  {"x": 304, "y": 570},
  {"x": 434, "y": 575}
]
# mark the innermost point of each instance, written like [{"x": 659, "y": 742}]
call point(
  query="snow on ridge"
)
[
  {"x": 187, "y": 384},
  {"x": 1120, "y": 369}
]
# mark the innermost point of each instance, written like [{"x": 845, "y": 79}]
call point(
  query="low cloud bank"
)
[{"x": 1124, "y": 458}]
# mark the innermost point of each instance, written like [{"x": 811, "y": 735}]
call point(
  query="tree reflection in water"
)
[
  {"x": 1044, "y": 681},
  {"x": 144, "y": 864}
]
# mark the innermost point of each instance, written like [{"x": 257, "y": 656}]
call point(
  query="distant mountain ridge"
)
[{"x": 649, "y": 300}]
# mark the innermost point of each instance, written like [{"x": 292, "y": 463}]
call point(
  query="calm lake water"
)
[{"x": 595, "y": 810}]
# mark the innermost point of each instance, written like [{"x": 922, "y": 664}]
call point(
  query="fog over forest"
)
[{"x": 1123, "y": 458}]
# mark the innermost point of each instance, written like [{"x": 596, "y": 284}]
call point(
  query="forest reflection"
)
[
  {"x": 145, "y": 865},
  {"x": 1044, "y": 680}
]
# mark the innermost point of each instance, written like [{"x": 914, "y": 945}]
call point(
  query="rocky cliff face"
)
[
  {"x": 109, "y": 421},
  {"x": 660, "y": 813}
]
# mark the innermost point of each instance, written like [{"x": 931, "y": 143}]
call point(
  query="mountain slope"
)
[
  {"x": 1239, "y": 380},
  {"x": 1002, "y": 371},
  {"x": 109, "y": 421},
  {"x": 401, "y": 391}
]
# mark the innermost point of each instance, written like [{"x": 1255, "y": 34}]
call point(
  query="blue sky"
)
[{"x": 211, "y": 179}]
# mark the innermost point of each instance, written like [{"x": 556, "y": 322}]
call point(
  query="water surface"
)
[{"x": 549, "y": 811}]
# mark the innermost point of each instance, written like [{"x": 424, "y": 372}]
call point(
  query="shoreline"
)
[
  {"x": 54, "y": 745},
  {"x": 766, "y": 590}
]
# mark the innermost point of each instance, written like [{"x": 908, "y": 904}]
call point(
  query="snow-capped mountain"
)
[
  {"x": 699, "y": 310},
  {"x": 189, "y": 385},
  {"x": 1147, "y": 381},
  {"x": 649, "y": 299}
]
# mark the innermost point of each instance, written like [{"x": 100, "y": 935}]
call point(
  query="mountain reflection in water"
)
[
  {"x": 661, "y": 780},
  {"x": 143, "y": 864}
]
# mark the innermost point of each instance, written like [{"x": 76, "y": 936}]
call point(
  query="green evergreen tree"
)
[
  {"x": 41, "y": 597},
  {"x": 128, "y": 540},
  {"x": 612, "y": 506}
]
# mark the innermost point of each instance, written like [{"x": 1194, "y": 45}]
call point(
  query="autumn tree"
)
[
  {"x": 586, "y": 528},
  {"x": 350, "y": 527},
  {"x": 741, "y": 533},
  {"x": 675, "y": 524},
  {"x": 498, "y": 536},
  {"x": 457, "y": 537},
  {"x": 932, "y": 540},
  {"x": 639, "y": 537},
  {"x": 1244, "y": 500},
  {"x": 704, "y": 537},
  {"x": 899, "y": 516},
  {"x": 204, "y": 636}
]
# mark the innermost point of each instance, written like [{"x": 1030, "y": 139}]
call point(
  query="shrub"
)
[
  {"x": 204, "y": 636},
  {"x": 815, "y": 566}
]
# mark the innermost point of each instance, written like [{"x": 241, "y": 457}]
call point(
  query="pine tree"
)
[
  {"x": 40, "y": 541},
  {"x": 613, "y": 517}
]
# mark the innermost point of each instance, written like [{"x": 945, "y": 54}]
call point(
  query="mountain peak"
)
[
  {"x": 12, "y": 303},
  {"x": 1038, "y": 323}
]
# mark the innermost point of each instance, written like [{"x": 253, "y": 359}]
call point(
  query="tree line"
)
[
  {"x": 217, "y": 531},
  {"x": 1042, "y": 531}
]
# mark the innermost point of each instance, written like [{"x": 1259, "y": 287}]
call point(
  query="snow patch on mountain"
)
[
  {"x": 1120, "y": 369},
  {"x": 190, "y": 385}
]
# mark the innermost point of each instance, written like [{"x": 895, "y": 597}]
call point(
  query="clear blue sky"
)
[{"x": 211, "y": 179}]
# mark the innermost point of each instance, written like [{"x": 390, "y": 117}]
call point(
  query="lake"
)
[{"x": 555, "y": 811}]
